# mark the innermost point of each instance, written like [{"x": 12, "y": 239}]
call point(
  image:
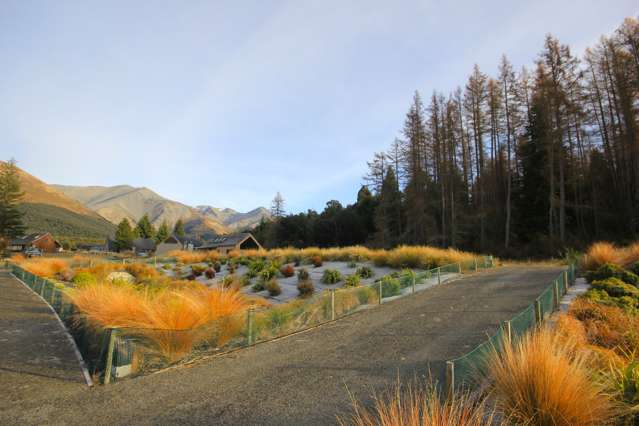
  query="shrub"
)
[
  {"x": 352, "y": 265},
  {"x": 287, "y": 271},
  {"x": 84, "y": 278},
  {"x": 406, "y": 277},
  {"x": 268, "y": 273},
  {"x": 610, "y": 270},
  {"x": 543, "y": 380},
  {"x": 273, "y": 287},
  {"x": 142, "y": 271},
  {"x": 166, "y": 266},
  {"x": 255, "y": 267},
  {"x": 210, "y": 273},
  {"x": 365, "y": 272},
  {"x": 317, "y": 261},
  {"x": 390, "y": 286},
  {"x": 258, "y": 286},
  {"x": 352, "y": 281},
  {"x": 231, "y": 267},
  {"x": 635, "y": 268},
  {"x": 601, "y": 253},
  {"x": 615, "y": 287},
  {"x": 197, "y": 270},
  {"x": 331, "y": 276},
  {"x": 303, "y": 275},
  {"x": 305, "y": 287},
  {"x": 217, "y": 266},
  {"x": 245, "y": 280}
]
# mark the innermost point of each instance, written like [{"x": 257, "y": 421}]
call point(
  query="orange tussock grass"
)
[
  {"x": 604, "y": 252},
  {"x": 419, "y": 405},
  {"x": 189, "y": 257},
  {"x": 173, "y": 319},
  {"x": 607, "y": 326},
  {"x": 542, "y": 380},
  {"x": 45, "y": 267}
]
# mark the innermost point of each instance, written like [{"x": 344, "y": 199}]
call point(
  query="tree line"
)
[
  {"x": 125, "y": 234},
  {"x": 528, "y": 161}
]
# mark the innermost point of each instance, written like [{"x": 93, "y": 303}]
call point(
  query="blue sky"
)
[{"x": 225, "y": 103}]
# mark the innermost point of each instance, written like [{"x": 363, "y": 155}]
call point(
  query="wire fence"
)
[
  {"x": 115, "y": 353},
  {"x": 466, "y": 370}
]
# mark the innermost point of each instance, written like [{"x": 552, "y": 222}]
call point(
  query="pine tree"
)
[
  {"x": 144, "y": 228},
  {"x": 124, "y": 235},
  {"x": 163, "y": 232},
  {"x": 178, "y": 229},
  {"x": 388, "y": 214},
  {"x": 11, "y": 225}
]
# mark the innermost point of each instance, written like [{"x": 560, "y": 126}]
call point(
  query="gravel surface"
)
[{"x": 304, "y": 378}]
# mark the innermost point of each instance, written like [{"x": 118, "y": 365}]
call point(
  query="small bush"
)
[
  {"x": 305, "y": 287},
  {"x": 217, "y": 266},
  {"x": 166, "y": 266},
  {"x": 268, "y": 273},
  {"x": 615, "y": 287},
  {"x": 210, "y": 273},
  {"x": 317, "y": 261},
  {"x": 273, "y": 287},
  {"x": 245, "y": 280},
  {"x": 331, "y": 276},
  {"x": 352, "y": 281},
  {"x": 231, "y": 267},
  {"x": 635, "y": 268},
  {"x": 84, "y": 278},
  {"x": 610, "y": 270},
  {"x": 390, "y": 286},
  {"x": 303, "y": 275},
  {"x": 352, "y": 265},
  {"x": 365, "y": 272},
  {"x": 258, "y": 286},
  {"x": 197, "y": 270},
  {"x": 287, "y": 271}
]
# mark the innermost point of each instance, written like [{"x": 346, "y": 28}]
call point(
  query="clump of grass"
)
[
  {"x": 352, "y": 281},
  {"x": 287, "y": 271},
  {"x": 422, "y": 405},
  {"x": 331, "y": 276},
  {"x": 542, "y": 380},
  {"x": 46, "y": 267},
  {"x": 316, "y": 261},
  {"x": 188, "y": 257},
  {"x": 302, "y": 275},
  {"x": 305, "y": 288},
  {"x": 158, "y": 315},
  {"x": 273, "y": 287},
  {"x": 365, "y": 272},
  {"x": 209, "y": 273}
]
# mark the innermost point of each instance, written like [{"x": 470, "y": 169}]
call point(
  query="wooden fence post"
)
[
  {"x": 439, "y": 276},
  {"x": 538, "y": 317},
  {"x": 450, "y": 377},
  {"x": 249, "y": 327},
  {"x": 380, "y": 292},
  {"x": 109, "y": 361},
  {"x": 556, "y": 282},
  {"x": 332, "y": 304}
]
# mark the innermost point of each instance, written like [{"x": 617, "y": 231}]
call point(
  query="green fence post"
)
[
  {"x": 380, "y": 292},
  {"x": 332, "y": 304},
  {"x": 44, "y": 285},
  {"x": 538, "y": 317},
  {"x": 439, "y": 276},
  {"x": 109, "y": 361},
  {"x": 450, "y": 377},
  {"x": 565, "y": 277},
  {"x": 249, "y": 327},
  {"x": 556, "y": 282}
]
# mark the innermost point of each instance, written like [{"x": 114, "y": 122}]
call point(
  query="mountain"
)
[
  {"x": 118, "y": 202},
  {"x": 48, "y": 210},
  {"x": 235, "y": 220}
]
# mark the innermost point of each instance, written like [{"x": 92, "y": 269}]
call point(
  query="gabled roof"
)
[
  {"x": 144, "y": 244},
  {"x": 227, "y": 240},
  {"x": 28, "y": 239}
]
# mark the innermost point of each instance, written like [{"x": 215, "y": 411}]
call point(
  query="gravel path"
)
[{"x": 305, "y": 378}]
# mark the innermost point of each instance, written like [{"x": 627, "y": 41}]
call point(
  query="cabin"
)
[
  {"x": 144, "y": 246},
  {"x": 43, "y": 241},
  {"x": 173, "y": 243},
  {"x": 225, "y": 243}
]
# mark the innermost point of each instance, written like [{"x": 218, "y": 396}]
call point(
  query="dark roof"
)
[
  {"x": 144, "y": 244},
  {"x": 28, "y": 239},
  {"x": 227, "y": 240}
]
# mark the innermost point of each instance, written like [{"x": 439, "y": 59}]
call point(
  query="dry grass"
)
[
  {"x": 543, "y": 380},
  {"x": 190, "y": 257},
  {"x": 604, "y": 252},
  {"x": 173, "y": 319},
  {"x": 404, "y": 256},
  {"x": 44, "y": 266},
  {"x": 420, "y": 405}
]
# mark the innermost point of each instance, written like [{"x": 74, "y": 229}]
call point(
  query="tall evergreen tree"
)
[
  {"x": 124, "y": 235},
  {"x": 388, "y": 216},
  {"x": 163, "y": 232},
  {"x": 11, "y": 224},
  {"x": 144, "y": 228},
  {"x": 178, "y": 229}
]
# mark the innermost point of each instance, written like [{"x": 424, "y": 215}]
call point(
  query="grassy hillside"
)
[{"x": 64, "y": 223}]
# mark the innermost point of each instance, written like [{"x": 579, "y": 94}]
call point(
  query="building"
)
[
  {"x": 173, "y": 243},
  {"x": 144, "y": 246},
  {"x": 226, "y": 243},
  {"x": 43, "y": 241}
]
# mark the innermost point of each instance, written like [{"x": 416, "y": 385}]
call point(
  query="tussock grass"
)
[
  {"x": 543, "y": 380},
  {"x": 173, "y": 319},
  {"x": 190, "y": 257},
  {"x": 44, "y": 266},
  {"x": 421, "y": 405},
  {"x": 603, "y": 252}
]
